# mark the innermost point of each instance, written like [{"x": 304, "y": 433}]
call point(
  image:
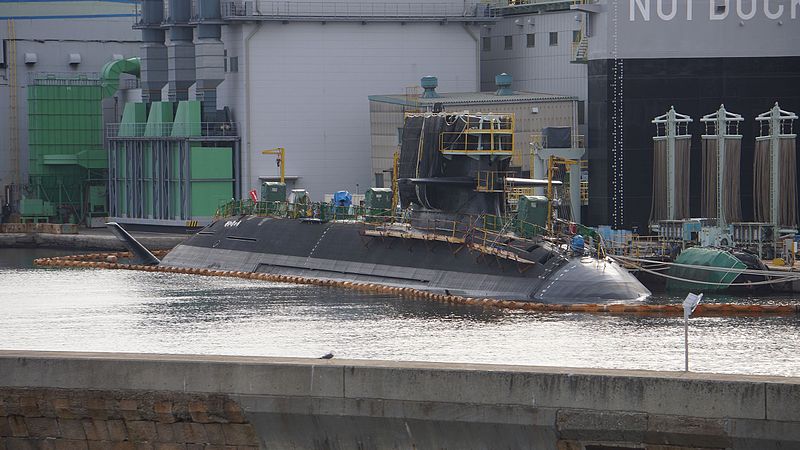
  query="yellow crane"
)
[{"x": 281, "y": 152}]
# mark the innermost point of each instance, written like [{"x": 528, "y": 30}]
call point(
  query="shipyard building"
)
[
  {"x": 631, "y": 61},
  {"x": 542, "y": 44},
  {"x": 215, "y": 83},
  {"x": 52, "y": 107},
  {"x": 647, "y": 56},
  {"x": 222, "y": 81},
  {"x": 304, "y": 73}
]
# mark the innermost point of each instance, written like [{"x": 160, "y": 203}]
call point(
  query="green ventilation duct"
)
[{"x": 112, "y": 70}]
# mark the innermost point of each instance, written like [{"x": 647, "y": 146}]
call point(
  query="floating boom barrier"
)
[{"x": 109, "y": 261}]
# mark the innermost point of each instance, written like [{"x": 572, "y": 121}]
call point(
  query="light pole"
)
[{"x": 689, "y": 305}]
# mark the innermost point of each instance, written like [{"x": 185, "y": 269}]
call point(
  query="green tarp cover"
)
[{"x": 709, "y": 257}]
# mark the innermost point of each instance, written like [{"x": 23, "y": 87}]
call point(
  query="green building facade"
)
[{"x": 67, "y": 162}]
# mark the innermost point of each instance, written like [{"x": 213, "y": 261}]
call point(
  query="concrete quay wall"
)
[
  {"x": 61, "y": 399},
  {"x": 85, "y": 242}
]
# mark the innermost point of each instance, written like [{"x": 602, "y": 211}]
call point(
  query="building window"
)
[
  {"x": 531, "y": 40},
  {"x": 234, "y": 64},
  {"x": 581, "y": 112},
  {"x": 576, "y": 36},
  {"x": 509, "y": 42},
  {"x": 553, "y": 38},
  {"x": 225, "y": 61},
  {"x": 487, "y": 44},
  {"x": 379, "y": 179},
  {"x": 399, "y": 135}
]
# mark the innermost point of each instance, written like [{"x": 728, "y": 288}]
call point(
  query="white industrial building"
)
[
  {"x": 300, "y": 78},
  {"x": 543, "y": 43},
  {"x": 298, "y": 74}
]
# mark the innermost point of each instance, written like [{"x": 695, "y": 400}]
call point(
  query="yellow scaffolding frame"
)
[{"x": 500, "y": 126}]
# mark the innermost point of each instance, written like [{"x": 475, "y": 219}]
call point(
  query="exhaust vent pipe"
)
[
  {"x": 503, "y": 82},
  {"x": 180, "y": 51},
  {"x": 153, "y": 51},
  {"x": 430, "y": 84},
  {"x": 209, "y": 57}
]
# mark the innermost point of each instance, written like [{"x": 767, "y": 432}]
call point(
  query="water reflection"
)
[{"x": 95, "y": 310}]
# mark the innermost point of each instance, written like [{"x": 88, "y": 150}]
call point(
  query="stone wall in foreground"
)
[
  {"x": 62, "y": 400},
  {"x": 87, "y": 419}
]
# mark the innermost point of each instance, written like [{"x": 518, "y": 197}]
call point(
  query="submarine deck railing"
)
[{"x": 489, "y": 234}]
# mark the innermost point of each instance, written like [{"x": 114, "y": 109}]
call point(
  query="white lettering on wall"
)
[
  {"x": 644, "y": 9},
  {"x": 712, "y": 13},
  {"x": 667, "y": 10},
  {"x": 673, "y": 11},
  {"x": 751, "y": 13},
  {"x": 770, "y": 14}
]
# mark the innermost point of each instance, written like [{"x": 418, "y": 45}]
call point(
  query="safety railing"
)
[
  {"x": 170, "y": 129},
  {"x": 482, "y": 135},
  {"x": 580, "y": 47},
  {"x": 501, "y": 3},
  {"x": 639, "y": 246},
  {"x": 492, "y": 181},
  {"x": 64, "y": 78},
  {"x": 503, "y": 236},
  {"x": 344, "y": 10},
  {"x": 514, "y": 193}
]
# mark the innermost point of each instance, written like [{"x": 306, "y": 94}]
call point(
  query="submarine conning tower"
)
[{"x": 456, "y": 162}]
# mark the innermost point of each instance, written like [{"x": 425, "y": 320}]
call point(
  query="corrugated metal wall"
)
[
  {"x": 385, "y": 120},
  {"x": 309, "y": 89},
  {"x": 542, "y": 68}
]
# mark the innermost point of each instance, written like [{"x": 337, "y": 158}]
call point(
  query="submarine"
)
[{"x": 452, "y": 232}]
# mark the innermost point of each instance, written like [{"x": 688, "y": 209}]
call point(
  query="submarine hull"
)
[{"x": 343, "y": 251}]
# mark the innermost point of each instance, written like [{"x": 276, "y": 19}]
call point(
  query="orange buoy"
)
[{"x": 615, "y": 308}]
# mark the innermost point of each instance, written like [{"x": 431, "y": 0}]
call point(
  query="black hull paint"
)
[
  {"x": 695, "y": 86},
  {"x": 341, "y": 251}
]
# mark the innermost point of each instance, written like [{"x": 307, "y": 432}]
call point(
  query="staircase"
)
[{"x": 580, "y": 50}]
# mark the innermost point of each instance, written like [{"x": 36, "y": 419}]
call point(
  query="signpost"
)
[{"x": 689, "y": 305}]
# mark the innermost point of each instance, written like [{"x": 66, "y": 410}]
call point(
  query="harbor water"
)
[{"x": 142, "y": 312}]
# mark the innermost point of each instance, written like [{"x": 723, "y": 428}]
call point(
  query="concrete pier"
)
[
  {"x": 98, "y": 400},
  {"x": 91, "y": 240}
]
